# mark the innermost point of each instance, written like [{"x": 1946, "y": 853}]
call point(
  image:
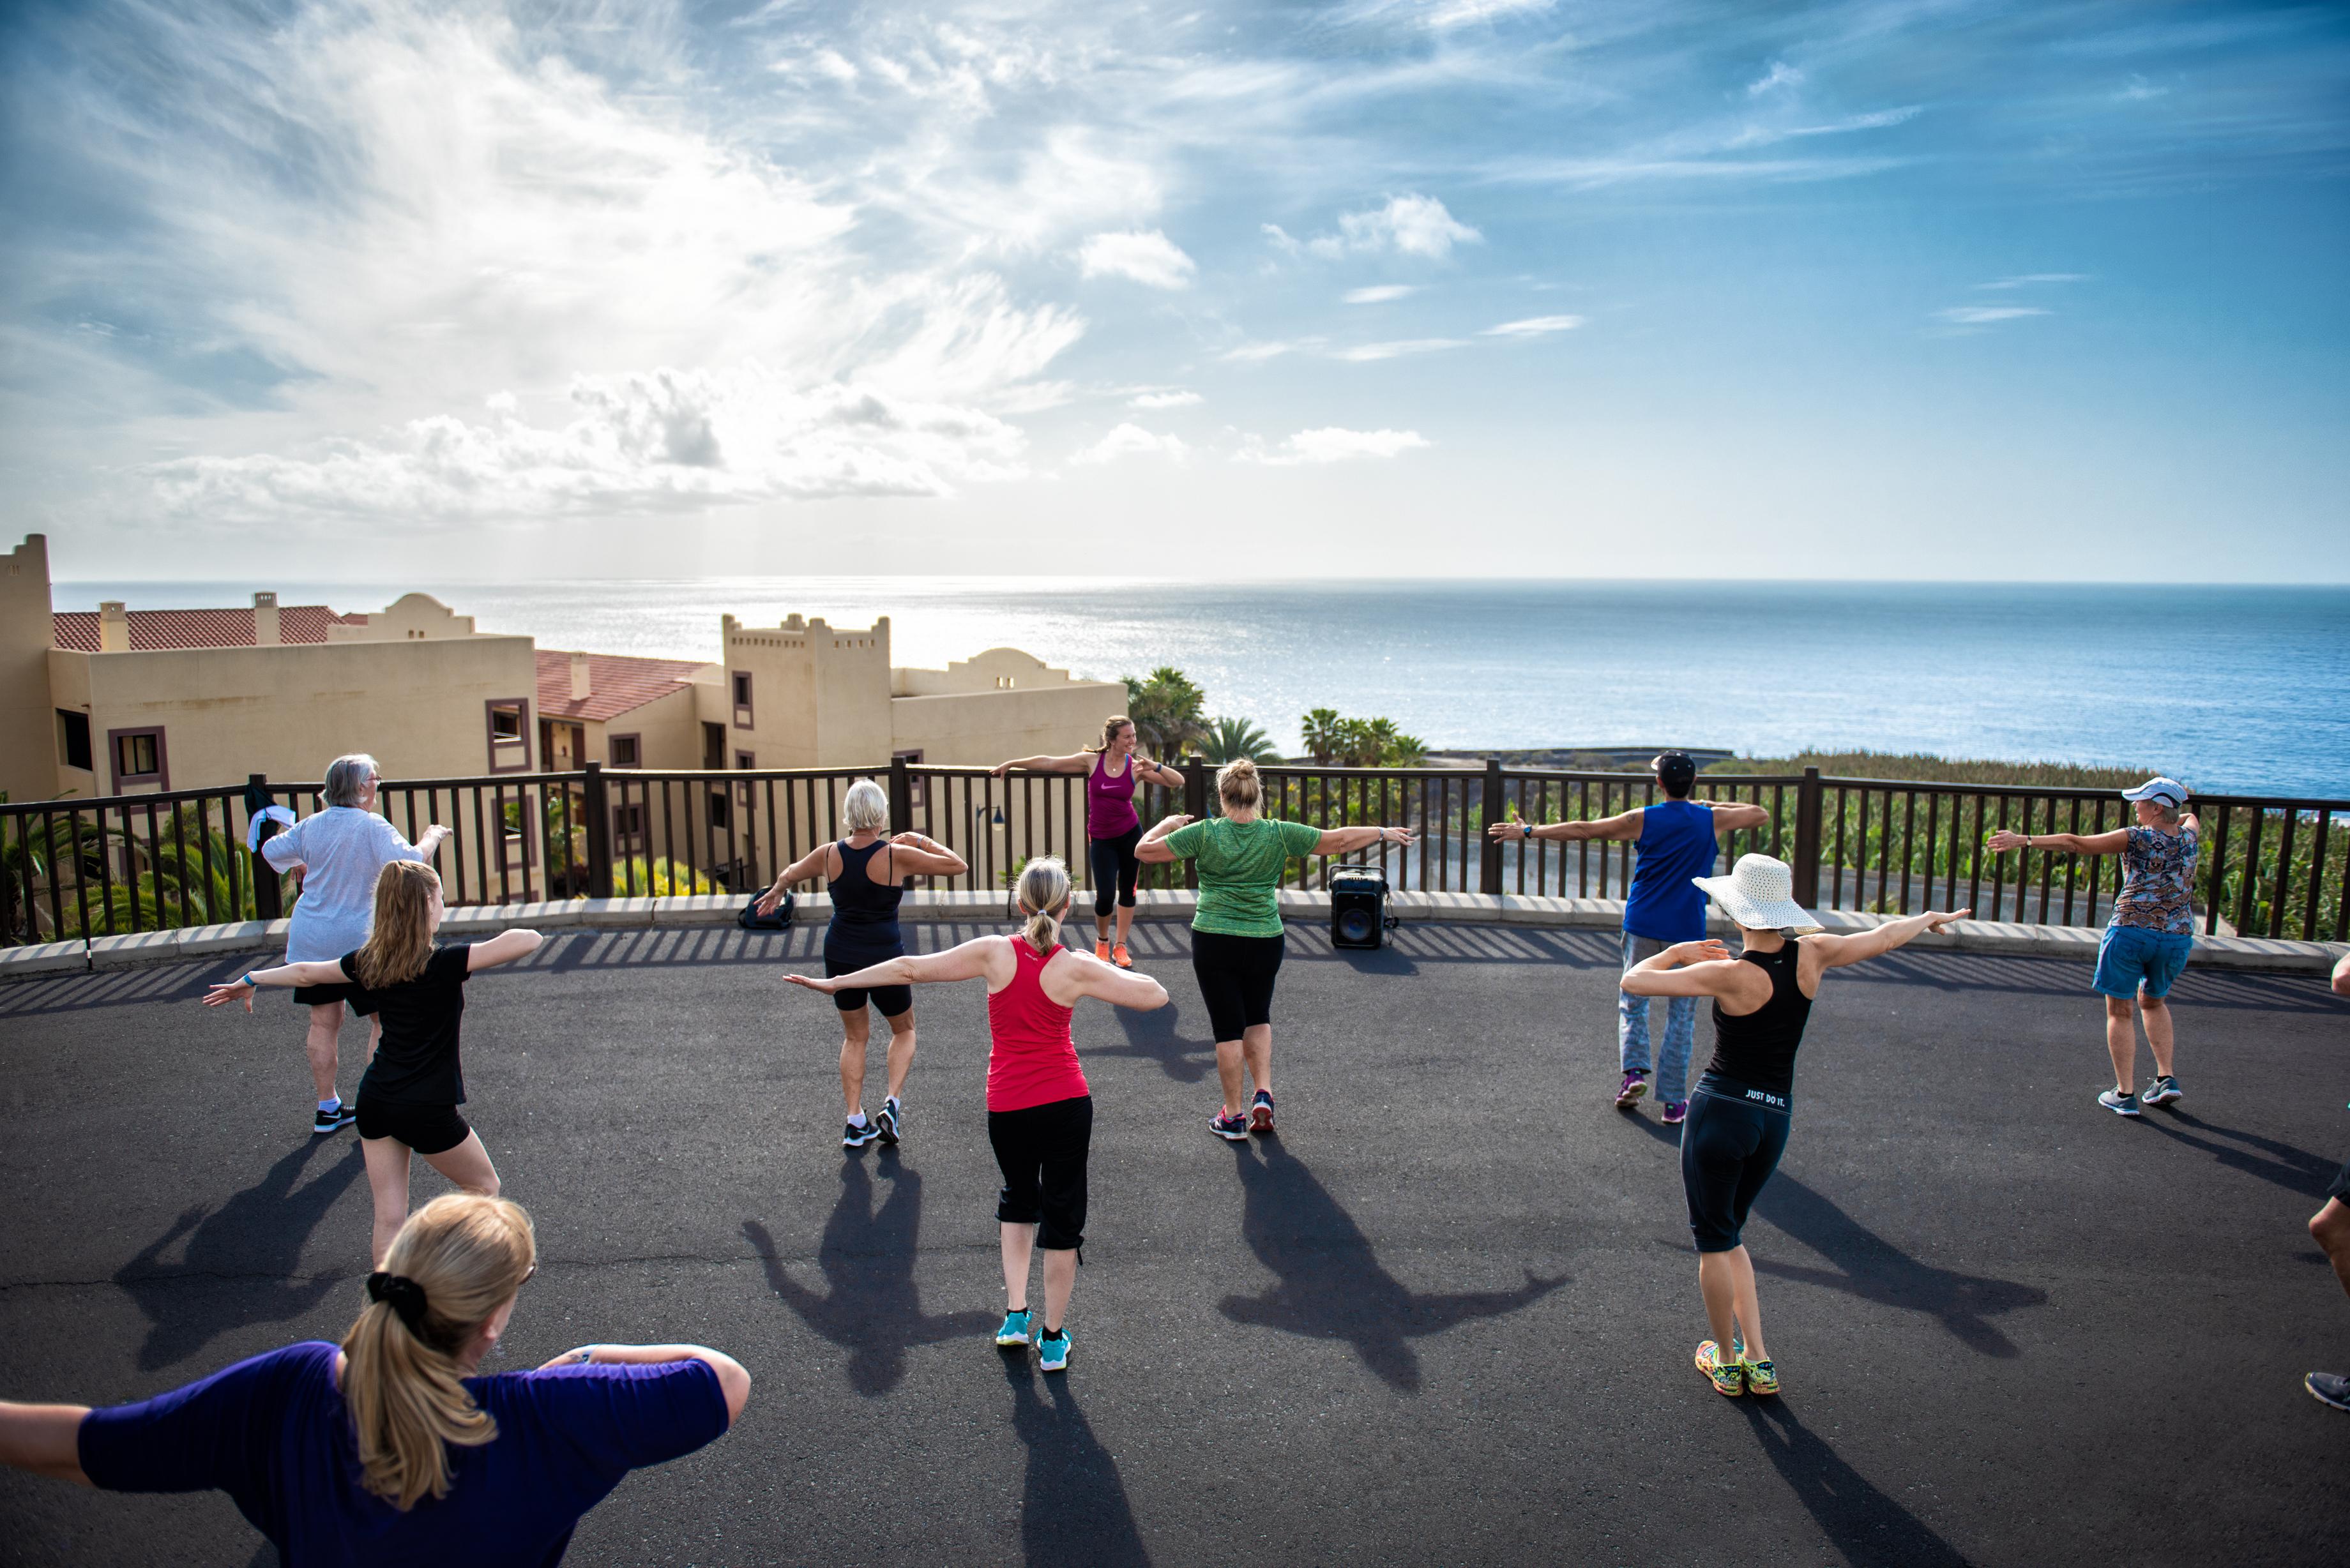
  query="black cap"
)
[{"x": 1677, "y": 771}]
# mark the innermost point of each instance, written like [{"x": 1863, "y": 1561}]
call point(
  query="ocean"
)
[{"x": 2228, "y": 689}]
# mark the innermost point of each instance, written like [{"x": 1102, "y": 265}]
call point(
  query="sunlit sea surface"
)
[{"x": 2229, "y": 688}]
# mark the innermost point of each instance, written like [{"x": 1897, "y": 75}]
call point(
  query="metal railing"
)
[{"x": 69, "y": 868}]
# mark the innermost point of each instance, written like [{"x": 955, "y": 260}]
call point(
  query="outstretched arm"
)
[
  {"x": 970, "y": 961},
  {"x": 1152, "y": 850},
  {"x": 1737, "y": 816},
  {"x": 328, "y": 972},
  {"x": 913, "y": 855},
  {"x": 1341, "y": 840},
  {"x": 1088, "y": 976},
  {"x": 800, "y": 870},
  {"x": 2064, "y": 843},
  {"x": 503, "y": 948},
  {"x": 1836, "y": 951},
  {"x": 43, "y": 1438},
  {"x": 733, "y": 1380},
  {"x": 1076, "y": 762},
  {"x": 1624, "y": 825},
  {"x": 1689, "y": 968}
]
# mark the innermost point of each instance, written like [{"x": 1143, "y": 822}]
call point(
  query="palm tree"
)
[
  {"x": 1230, "y": 739},
  {"x": 1322, "y": 731},
  {"x": 1166, "y": 711}
]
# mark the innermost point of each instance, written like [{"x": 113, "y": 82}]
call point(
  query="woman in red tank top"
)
[{"x": 1040, "y": 1113}]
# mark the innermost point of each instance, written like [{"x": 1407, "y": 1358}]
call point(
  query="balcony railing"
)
[{"x": 71, "y": 868}]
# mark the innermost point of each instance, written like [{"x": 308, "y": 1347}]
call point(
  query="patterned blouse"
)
[{"x": 2158, "y": 881}]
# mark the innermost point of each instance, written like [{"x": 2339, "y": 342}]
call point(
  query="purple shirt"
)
[
  {"x": 1109, "y": 802},
  {"x": 274, "y": 1433}
]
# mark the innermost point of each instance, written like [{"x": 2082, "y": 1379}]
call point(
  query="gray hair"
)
[
  {"x": 346, "y": 778},
  {"x": 866, "y": 809}
]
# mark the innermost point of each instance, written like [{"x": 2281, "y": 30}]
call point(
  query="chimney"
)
[
  {"x": 113, "y": 626},
  {"x": 580, "y": 684},
  {"x": 264, "y": 621}
]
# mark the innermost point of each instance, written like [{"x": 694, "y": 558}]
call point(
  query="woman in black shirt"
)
[
  {"x": 1739, "y": 1113},
  {"x": 409, "y": 1097}
]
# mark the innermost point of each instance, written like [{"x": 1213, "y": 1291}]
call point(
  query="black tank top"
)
[
  {"x": 858, "y": 900},
  {"x": 1758, "y": 1048}
]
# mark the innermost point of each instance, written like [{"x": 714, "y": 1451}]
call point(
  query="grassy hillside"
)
[{"x": 1926, "y": 767}]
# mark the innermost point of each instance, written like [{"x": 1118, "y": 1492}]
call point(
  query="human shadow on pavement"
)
[
  {"x": 2294, "y": 1169},
  {"x": 1151, "y": 1037},
  {"x": 252, "y": 1242},
  {"x": 1331, "y": 1285},
  {"x": 1073, "y": 1507},
  {"x": 1875, "y": 1269},
  {"x": 1863, "y": 1524},
  {"x": 871, "y": 1306}
]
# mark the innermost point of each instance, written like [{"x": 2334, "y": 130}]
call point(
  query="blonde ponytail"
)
[
  {"x": 1044, "y": 895},
  {"x": 456, "y": 1261}
]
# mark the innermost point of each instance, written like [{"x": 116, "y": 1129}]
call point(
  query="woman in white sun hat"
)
[
  {"x": 2152, "y": 930},
  {"x": 1739, "y": 1111}
]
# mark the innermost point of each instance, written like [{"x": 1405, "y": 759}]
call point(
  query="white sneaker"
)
[{"x": 2121, "y": 1105}]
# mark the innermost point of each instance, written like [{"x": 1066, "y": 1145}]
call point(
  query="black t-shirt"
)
[{"x": 416, "y": 1064}]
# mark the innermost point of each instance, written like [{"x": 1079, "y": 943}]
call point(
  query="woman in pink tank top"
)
[
  {"x": 1040, "y": 1111},
  {"x": 1112, "y": 829}
]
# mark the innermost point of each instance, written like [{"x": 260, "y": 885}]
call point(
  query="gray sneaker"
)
[
  {"x": 2330, "y": 1388},
  {"x": 2161, "y": 1091},
  {"x": 2121, "y": 1105}
]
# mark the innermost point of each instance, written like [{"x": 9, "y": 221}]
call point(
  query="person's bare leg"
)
[
  {"x": 2121, "y": 1044},
  {"x": 325, "y": 1027},
  {"x": 1125, "y": 923},
  {"x": 387, "y": 1169},
  {"x": 1228, "y": 1071},
  {"x": 902, "y": 1050},
  {"x": 468, "y": 1165},
  {"x": 2157, "y": 1014},
  {"x": 2330, "y": 1229},
  {"x": 1060, "y": 1279},
  {"x": 1256, "y": 1045},
  {"x": 855, "y": 1029},
  {"x": 1019, "y": 1245},
  {"x": 1726, "y": 1279}
]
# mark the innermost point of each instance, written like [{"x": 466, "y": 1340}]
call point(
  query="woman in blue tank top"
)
[{"x": 861, "y": 874}]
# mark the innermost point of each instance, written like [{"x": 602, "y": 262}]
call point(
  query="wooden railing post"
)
[
  {"x": 1195, "y": 805},
  {"x": 1489, "y": 863},
  {"x": 596, "y": 806},
  {"x": 268, "y": 892},
  {"x": 1806, "y": 866},
  {"x": 901, "y": 797}
]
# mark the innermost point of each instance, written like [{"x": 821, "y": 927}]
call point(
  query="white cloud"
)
[
  {"x": 1533, "y": 327},
  {"x": 1379, "y": 294},
  {"x": 1410, "y": 225},
  {"x": 1333, "y": 444},
  {"x": 1364, "y": 353},
  {"x": 1985, "y": 315},
  {"x": 2029, "y": 279},
  {"x": 1146, "y": 256},
  {"x": 1780, "y": 75},
  {"x": 1460, "y": 12},
  {"x": 1172, "y": 399},
  {"x": 1133, "y": 440},
  {"x": 2139, "y": 89},
  {"x": 1270, "y": 348}
]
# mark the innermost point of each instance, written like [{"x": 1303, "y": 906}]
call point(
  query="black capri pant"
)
[
  {"x": 1115, "y": 866},
  {"x": 1730, "y": 1147},
  {"x": 1236, "y": 976},
  {"x": 1041, "y": 1150}
]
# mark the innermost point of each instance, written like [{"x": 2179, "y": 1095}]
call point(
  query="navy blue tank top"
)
[{"x": 863, "y": 911}]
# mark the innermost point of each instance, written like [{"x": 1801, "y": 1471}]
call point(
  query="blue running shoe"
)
[
  {"x": 1014, "y": 1331},
  {"x": 1053, "y": 1351},
  {"x": 857, "y": 1135},
  {"x": 890, "y": 1119},
  {"x": 2121, "y": 1105}
]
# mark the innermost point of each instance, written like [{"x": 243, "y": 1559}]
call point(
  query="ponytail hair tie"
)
[{"x": 403, "y": 1294}]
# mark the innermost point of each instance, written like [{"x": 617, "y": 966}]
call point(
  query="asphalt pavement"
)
[{"x": 1445, "y": 1317}]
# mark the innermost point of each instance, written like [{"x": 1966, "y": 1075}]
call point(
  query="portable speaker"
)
[{"x": 1358, "y": 917}]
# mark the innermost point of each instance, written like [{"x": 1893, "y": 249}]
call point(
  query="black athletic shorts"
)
[
  {"x": 1729, "y": 1145},
  {"x": 320, "y": 995},
  {"x": 2341, "y": 1188},
  {"x": 890, "y": 1000},
  {"x": 1236, "y": 976},
  {"x": 1115, "y": 867},
  {"x": 1041, "y": 1150},
  {"x": 427, "y": 1129}
]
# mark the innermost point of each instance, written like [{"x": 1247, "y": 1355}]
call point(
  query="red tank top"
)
[{"x": 1033, "y": 1061}]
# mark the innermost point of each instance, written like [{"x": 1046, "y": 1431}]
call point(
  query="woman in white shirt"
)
[{"x": 339, "y": 852}]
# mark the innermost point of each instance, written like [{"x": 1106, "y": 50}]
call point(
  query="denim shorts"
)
[{"x": 2131, "y": 957}]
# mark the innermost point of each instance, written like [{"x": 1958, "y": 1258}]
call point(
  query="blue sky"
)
[{"x": 1468, "y": 288}]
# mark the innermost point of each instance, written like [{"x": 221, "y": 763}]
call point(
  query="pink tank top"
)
[
  {"x": 1109, "y": 802},
  {"x": 1033, "y": 1061}
]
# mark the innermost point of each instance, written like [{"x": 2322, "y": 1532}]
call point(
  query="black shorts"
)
[
  {"x": 1236, "y": 976},
  {"x": 1730, "y": 1147},
  {"x": 320, "y": 995},
  {"x": 427, "y": 1129},
  {"x": 2341, "y": 1188},
  {"x": 1041, "y": 1150},
  {"x": 1115, "y": 867},
  {"x": 890, "y": 1000}
]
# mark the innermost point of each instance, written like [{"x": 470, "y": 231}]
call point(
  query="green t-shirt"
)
[{"x": 1239, "y": 870}]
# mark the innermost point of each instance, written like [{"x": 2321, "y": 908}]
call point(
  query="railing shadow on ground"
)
[
  {"x": 2294, "y": 1169},
  {"x": 871, "y": 1306},
  {"x": 1861, "y": 1521},
  {"x": 1330, "y": 1283},
  {"x": 1874, "y": 1270},
  {"x": 1073, "y": 1506},
  {"x": 255, "y": 1237}
]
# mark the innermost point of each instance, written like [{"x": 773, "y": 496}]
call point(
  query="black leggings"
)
[
  {"x": 1236, "y": 976},
  {"x": 1730, "y": 1147},
  {"x": 1115, "y": 866},
  {"x": 1041, "y": 1150}
]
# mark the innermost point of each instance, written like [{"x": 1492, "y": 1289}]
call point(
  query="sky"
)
[{"x": 1261, "y": 292}]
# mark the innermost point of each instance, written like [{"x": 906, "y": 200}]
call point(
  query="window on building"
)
[
  {"x": 742, "y": 698},
  {"x": 721, "y": 813},
  {"x": 138, "y": 757},
  {"x": 626, "y": 751},
  {"x": 628, "y": 828},
  {"x": 73, "y": 739},
  {"x": 746, "y": 761},
  {"x": 713, "y": 746},
  {"x": 509, "y": 733}
]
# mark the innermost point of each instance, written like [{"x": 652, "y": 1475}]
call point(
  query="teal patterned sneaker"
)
[
  {"x": 1728, "y": 1380},
  {"x": 1762, "y": 1378},
  {"x": 1014, "y": 1331},
  {"x": 1053, "y": 1351}
]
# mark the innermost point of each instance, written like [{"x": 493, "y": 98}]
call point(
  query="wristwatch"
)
[{"x": 1529, "y": 827}]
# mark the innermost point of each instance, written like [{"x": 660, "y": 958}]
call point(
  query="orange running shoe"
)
[
  {"x": 1101, "y": 951},
  {"x": 1120, "y": 957}
]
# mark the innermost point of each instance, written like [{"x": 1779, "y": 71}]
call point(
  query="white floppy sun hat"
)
[{"x": 1760, "y": 894}]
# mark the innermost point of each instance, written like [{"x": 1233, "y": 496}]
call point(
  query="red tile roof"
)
[
  {"x": 152, "y": 630},
  {"x": 617, "y": 683}
]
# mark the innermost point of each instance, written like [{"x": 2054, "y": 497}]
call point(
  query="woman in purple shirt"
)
[
  {"x": 388, "y": 1449},
  {"x": 1112, "y": 829}
]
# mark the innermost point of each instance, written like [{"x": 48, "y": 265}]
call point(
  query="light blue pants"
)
[{"x": 1671, "y": 1080}]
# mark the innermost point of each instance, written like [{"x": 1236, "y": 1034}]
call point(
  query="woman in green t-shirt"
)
[{"x": 1237, "y": 940}]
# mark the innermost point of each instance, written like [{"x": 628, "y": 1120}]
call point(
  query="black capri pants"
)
[
  {"x": 1041, "y": 1150},
  {"x": 1729, "y": 1145},
  {"x": 1115, "y": 866},
  {"x": 1236, "y": 976}
]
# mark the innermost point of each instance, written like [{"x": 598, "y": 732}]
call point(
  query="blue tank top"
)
[
  {"x": 1677, "y": 842},
  {"x": 864, "y": 912}
]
